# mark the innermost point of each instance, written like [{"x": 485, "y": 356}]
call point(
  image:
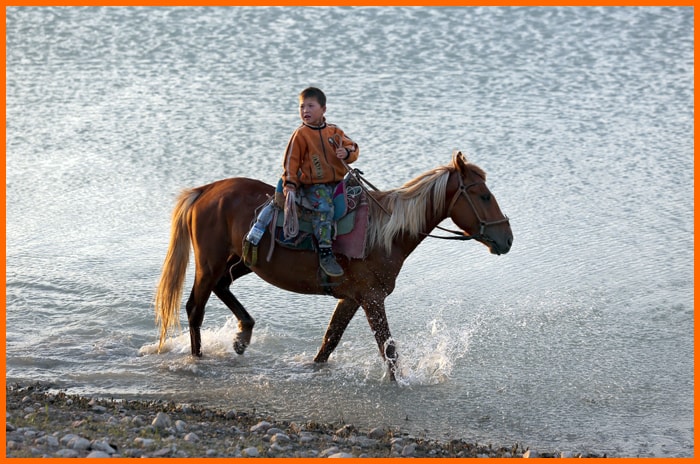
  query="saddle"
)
[{"x": 350, "y": 221}]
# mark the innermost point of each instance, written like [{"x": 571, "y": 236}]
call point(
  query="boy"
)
[{"x": 313, "y": 166}]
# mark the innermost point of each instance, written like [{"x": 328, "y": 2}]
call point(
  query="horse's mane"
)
[{"x": 409, "y": 205}]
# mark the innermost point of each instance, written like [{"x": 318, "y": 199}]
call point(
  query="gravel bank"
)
[{"x": 44, "y": 423}]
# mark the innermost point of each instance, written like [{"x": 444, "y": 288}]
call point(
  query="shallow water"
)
[{"x": 580, "y": 339}]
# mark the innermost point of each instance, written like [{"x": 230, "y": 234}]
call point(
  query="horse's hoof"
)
[
  {"x": 242, "y": 340},
  {"x": 239, "y": 347}
]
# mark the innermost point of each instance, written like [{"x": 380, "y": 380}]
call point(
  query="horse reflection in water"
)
[{"x": 214, "y": 220}]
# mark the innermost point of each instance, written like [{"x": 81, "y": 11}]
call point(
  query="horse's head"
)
[{"x": 474, "y": 209}]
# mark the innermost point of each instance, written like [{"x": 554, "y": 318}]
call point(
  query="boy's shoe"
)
[{"x": 330, "y": 266}]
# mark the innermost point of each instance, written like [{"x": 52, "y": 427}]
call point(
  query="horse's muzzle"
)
[{"x": 500, "y": 247}]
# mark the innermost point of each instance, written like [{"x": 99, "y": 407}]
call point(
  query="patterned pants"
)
[{"x": 318, "y": 198}]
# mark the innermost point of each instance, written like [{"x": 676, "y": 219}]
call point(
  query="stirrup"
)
[{"x": 247, "y": 246}]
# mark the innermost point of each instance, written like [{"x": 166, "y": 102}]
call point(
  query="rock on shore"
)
[{"x": 43, "y": 423}]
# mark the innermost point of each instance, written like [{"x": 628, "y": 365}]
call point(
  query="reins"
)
[
  {"x": 462, "y": 190},
  {"x": 361, "y": 181},
  {"x": 357, "y": 175}
]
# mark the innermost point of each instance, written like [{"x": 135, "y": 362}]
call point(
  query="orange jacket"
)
[{"x": 310, "y": 158}]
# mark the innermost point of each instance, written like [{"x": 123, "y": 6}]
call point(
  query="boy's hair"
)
[{"x": 313, "y": 92}]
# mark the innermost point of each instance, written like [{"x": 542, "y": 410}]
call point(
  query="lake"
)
[{"x": 578, "y": 340}]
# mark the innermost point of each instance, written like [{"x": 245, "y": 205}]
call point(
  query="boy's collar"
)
[{"x": 323, "y": 124}]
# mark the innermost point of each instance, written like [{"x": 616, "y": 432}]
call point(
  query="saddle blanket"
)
[{"x": 350, "y": 225}]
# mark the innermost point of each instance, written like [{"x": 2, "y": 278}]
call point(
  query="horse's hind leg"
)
[
  {"x": 344, "y": 311},
  {"x": 204, "y": 283},
  {"x": 245, "y": 321},
  {"x": 195, "y": 314}
]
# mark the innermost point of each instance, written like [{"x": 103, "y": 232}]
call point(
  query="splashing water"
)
[{"x": 432, "y": 361}]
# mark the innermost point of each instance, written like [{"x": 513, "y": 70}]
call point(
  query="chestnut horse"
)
[{"x": 215, "y": 218}]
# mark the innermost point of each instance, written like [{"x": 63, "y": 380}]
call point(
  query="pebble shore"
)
[{"x": 44, "y": 423}]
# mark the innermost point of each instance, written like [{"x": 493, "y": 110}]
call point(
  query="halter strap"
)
[{"x": 462, "y": 190}]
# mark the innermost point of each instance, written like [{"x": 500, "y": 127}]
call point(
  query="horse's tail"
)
[{"x": 169, "y": 292}]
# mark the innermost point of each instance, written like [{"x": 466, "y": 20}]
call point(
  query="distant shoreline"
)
[{"x": 44, "y": 423}]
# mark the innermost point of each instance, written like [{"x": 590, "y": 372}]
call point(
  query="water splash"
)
[
  {"x": 433, "y": 360},
  {"x": 216, "y": 341}
]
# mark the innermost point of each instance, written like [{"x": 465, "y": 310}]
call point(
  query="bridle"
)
[{"x": 462, "y": 190}]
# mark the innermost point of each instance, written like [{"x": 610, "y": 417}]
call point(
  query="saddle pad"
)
[
  {"x": 343, "y": 226},
  {"x": 352, "y": 244}
]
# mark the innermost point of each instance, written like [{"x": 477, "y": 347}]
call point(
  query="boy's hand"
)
[
  {"x": 289, "y": 188},
  {"x": 341, "y": 153}
]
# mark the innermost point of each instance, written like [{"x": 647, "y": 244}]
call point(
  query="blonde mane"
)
[{"x": 409, "y": 205}]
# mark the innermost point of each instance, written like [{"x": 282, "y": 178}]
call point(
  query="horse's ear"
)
[{"x": 459, "y": 161}]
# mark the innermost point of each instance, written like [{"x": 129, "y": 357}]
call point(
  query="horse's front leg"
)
[
  {"x": 343, "y": 313},
  {"x": 376, "y": 316}
]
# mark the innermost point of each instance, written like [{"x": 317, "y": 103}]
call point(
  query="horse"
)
[{"x": 214, "y": 219}]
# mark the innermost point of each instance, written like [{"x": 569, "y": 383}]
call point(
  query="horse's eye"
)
[{"x": 486, "y": 197}]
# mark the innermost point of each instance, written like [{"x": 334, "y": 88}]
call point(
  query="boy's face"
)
[{"x": 311, "y": 112}]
